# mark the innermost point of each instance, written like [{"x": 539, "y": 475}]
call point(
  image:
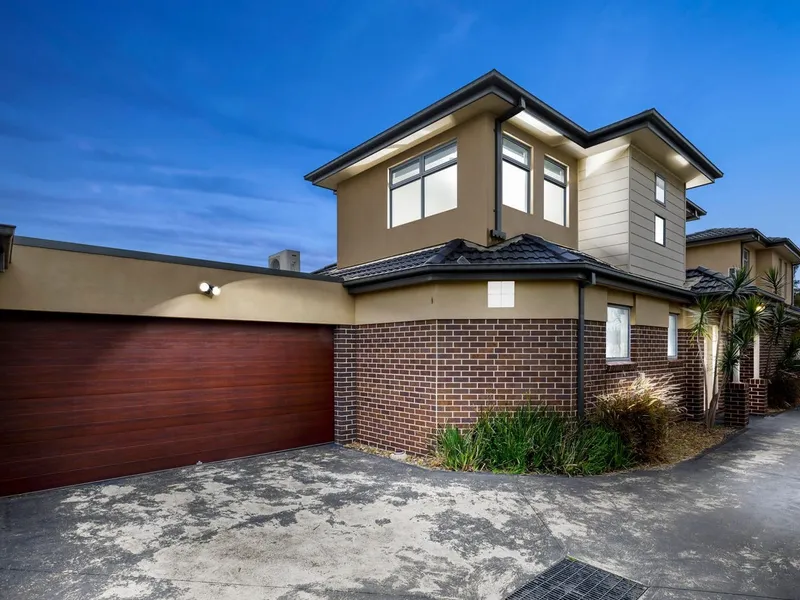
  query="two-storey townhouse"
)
[
  {"x": 711, "y": 257},
  {"x": 498, "y": 253}
]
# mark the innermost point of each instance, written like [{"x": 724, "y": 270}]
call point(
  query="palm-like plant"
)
[{"x": 739, "y": 315}]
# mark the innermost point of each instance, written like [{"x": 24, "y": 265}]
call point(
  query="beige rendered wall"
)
[
  {"x": 533, "y": 300},
  {"x": 719, "y": 257},
  {"x": 516, "y": 222},
  {"x": 467, "y": 300},
  {"x": 362, "y": 201},
  {"x": 56, "y": 280}
]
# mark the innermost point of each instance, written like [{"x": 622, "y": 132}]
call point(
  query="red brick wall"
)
[
  {"x": 493, "y": 362},
  {"x": 401, "y": 382},
  {"x": 648, "y": 355},
  {"x": 395, "y": 385},
  {"x": 344, "y": 383}
]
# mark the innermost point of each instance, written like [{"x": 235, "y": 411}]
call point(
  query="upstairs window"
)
[
  {"x": 516, "y": 175},
  {"x": 424, "y": 186},
  {"x": 672, "y": 336},
  {"x": 618, "y": 333},
  {"x": 660, "y": 230},
  {"x": 555, "y": 192},
  {"x": 661, "y": 190},
  {"x": 745, "y": 259}
]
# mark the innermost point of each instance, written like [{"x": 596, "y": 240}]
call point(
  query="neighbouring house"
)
[
  {"x": 491, "y": 252},
  {"x": 727, "y": 248},
  {"x": 711, "y": 257}
]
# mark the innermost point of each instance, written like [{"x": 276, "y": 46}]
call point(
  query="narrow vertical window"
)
[
  {"x": 672, "y": 336},
  {"x": 660, "y": 230},
  {"x": 661, "y": 190},
  {"x": 516, "y": 175},
  {"x": 746, "y": 259},
  {"x": 618, "y": 333},
  {"x": 555, "y": 192}
]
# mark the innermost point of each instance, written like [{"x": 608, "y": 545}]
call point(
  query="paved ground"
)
[{"x": 336, "y": 524}]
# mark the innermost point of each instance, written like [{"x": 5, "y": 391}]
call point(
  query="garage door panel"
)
[
  {"x": 30, "y": 410},
  {"x": 87, "y": 397},
  {"x": 33, "y": 483},
  {"x": 177, "y": 441},
  {"x": 60, "y": 441},
  {"x": 19, "y": 429},
  {"x": 202, "y": 379}
]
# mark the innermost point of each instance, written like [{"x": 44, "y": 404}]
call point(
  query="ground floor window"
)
[
  {"x": 672, "y": 336},
  {"x": 618, "y": 333}
]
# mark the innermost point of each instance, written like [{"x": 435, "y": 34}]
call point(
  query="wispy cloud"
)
[
  {"x": 21, "y": 131},
  {"x": 179, "y": 224},
  {"x": 117, "y": 156}
]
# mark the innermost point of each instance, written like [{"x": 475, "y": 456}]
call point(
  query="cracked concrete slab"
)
[
  {"x": 306, "y": 524},
  {"x": 331, "y": 523}
]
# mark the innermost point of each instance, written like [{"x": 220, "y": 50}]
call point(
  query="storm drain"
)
[{"x": 573, "y": 580}]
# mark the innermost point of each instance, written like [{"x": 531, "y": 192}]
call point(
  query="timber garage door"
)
[{"x": 84, "y": 398}]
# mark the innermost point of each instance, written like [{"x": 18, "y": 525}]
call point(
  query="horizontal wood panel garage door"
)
[{"x": 84, "y": 398}]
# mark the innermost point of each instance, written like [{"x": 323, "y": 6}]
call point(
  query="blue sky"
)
[{"x": 186, "y": 126}]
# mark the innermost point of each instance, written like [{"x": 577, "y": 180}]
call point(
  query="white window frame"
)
[
  {"x": 520, "y": 165},
  {"x": 656, "y": 217},
  {"x": 420, "y": 176},
  {"x": 663, "y": 187},
  {"x": 500, "y": 294},
  {"x": 626, "y": 358},
  {"x": 672, "y": 333},
  {"x": 745, "y": 258},
  {"x": 564, "y": 185}
]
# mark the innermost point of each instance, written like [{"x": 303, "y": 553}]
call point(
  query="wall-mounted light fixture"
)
[{"x": 209, "y": 290}]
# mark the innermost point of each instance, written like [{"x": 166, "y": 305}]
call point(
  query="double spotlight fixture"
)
[{"x": 209, "y": 290}]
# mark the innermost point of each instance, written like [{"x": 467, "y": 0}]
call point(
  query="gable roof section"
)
[
  {"x": 719, "y": 234},
  {"x": 522, "y": 257},
  {"x": 498, "y": 84}
]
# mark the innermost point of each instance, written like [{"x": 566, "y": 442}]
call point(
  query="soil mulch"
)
[{"x": 687, "y": 439}]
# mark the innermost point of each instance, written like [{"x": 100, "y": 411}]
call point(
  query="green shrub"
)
[
  {"x": 784, "y": 390},
  {"x": 459, "y": 450},
  {"x": 640, "y": 411},
  {"x": 533, "y": 440}
]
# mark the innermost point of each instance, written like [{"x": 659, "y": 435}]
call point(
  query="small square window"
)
[
  {"x": 660, "y": 230},
  {"x": 501, "y": 294},
  {"x": 672, "y": 336},
  {"x": 661, "y": 190},
  {"x": 618, "y": 333}
]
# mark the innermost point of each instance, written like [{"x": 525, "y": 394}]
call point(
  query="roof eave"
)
[
  {"x": 498, "y": 84},
  {"x": 579, "y": 271}
]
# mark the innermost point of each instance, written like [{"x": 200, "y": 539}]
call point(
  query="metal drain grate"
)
[{"x": 573, "y": 580}]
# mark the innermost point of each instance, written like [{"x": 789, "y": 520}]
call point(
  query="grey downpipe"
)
[
  {"x": 498, "y": 232},
  {"x": 581, "y": 399}
]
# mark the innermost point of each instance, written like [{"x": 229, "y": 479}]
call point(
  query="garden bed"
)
[{"x": 685, "y": 440}]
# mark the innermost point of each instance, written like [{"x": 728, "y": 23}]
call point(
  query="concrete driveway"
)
[{"x": 333, "y": 523}]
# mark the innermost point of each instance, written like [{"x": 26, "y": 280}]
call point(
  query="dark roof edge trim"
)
[
  {"x": 163, "y": 258},
  {"x": 575, "y": 272},
  {"x": 498, "y": 84}
]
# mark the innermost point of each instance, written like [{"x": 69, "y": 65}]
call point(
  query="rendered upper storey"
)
[{"x": 491, "y": 161}]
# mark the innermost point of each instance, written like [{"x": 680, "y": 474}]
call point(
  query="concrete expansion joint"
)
[{"x": 562, "y": 547}]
